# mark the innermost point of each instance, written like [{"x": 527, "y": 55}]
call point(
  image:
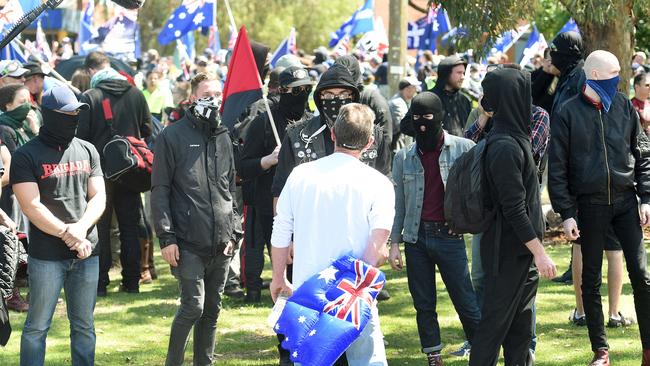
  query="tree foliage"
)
[{"x": 267, "y": 21}]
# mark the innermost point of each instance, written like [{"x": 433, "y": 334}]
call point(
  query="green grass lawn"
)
[{"x": 134, "y": 329}]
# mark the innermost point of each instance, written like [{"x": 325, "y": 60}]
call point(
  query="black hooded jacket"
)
[
  {"x": 510, "y": 169},
  {"x": 310, "y": 140},
  {"x": 457, "y": 105},
  {"x": 131, "y": 116}
]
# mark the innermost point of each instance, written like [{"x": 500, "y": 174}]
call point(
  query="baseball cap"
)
[
  {"x": 287, "y": 61},
  {"x": 409, "y": 81},
  {"x": 12, "y": 68},
  {"x": 61, "y": 98},
  {"x": 294, "y": 76}
]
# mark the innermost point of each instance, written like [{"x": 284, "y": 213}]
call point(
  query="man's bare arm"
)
[
  {"x": 376, "y": 251},
  {"x": 30, "y": 202}
]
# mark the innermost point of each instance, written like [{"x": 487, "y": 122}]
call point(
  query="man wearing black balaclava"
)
[
  {"x": 420, "y": 224},
  {"x": 193, "y": 209},
  {"x": 310, "y": 140},
  {"x": 511, "y": 250},
  {"x": 58, "y": 182},
  {"x": 567, "y": 53}
]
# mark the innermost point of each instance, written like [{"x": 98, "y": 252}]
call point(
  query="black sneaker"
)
[
  {"x": 579, "y": 321},
  {"x": 566, "y": 278},
  {"x": 383, "y": 295},
  {"x": 235, "y": 292},
  {"x": 253, "y": 297},
  {"x": 621, "y": 322},
  {"x": 130, "y": 289}
]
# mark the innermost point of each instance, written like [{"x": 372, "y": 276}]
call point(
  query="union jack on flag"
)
[{"x": 348, "y": 305}]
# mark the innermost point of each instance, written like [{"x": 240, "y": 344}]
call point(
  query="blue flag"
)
[
  {"x": 119, "y": 36},
  {"x": 536, "y": 45},
  {"x": 191, "y": 15},
  {"x": 329, "y": 311},
  {"x": 288, "y": 46},
  {"x": 361, "y": 21},
  {"x": 87, "y": 30},
  {"x": 570, "y": 26}
]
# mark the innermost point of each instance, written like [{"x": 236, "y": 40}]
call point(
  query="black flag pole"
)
[{"x": 26, "y": 20}]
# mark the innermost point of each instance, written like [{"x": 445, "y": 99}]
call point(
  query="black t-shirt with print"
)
[{"x": 62, "y": 178}]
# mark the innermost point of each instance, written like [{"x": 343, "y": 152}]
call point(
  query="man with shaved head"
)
[{"x": 599, "y": 175}]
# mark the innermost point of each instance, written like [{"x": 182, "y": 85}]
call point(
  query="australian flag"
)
[
  {"x": 361, "y": 21},
  {"x": 422, "y": 34},
  {"x": 120, "y": 36},
  {"x": 329, "y": 311},
  {"x": 191, "y": 15},
  {"x": 288, "y": 46},
  {"x": 570, "y": 26}
]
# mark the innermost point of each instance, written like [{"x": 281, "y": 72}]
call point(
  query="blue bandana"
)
[{"x": 606, "y": 90}]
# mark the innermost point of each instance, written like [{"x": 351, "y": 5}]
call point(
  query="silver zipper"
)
[{"x": 609, "y": 178}]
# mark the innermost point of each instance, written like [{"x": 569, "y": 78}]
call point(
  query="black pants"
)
[
  {"x": 507, "y": 314},
  {"x": 594, "y": 222},
  {"x": 257, "y": 238},
  {"x": 128, "y": 208}
]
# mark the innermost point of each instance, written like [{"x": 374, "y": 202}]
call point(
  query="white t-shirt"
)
[{"x": 330, "y": 206}]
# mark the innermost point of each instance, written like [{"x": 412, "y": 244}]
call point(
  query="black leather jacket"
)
[
  {"x": 597, "y": 156},
  {"x": 193, "y": 184}
]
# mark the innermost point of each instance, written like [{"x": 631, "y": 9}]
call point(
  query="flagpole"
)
[
  {"x": 271, "y": 121},
  {"x": 52, "y": 71},
  {"x": 230, "y": 16}
]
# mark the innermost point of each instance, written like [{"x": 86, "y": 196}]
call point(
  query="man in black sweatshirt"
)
[
  {"x": 511, "y": 250},
  {"x": 131, "y": 117}
]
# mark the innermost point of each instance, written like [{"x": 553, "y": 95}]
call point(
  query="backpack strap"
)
[{"x": 108, "y": 114}]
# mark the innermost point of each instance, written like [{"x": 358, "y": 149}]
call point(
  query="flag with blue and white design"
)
[
  {"x": 361, "y": 21},
  {"x": 507, "y": 39},
  {"x": 570, "y": 26},
  {"x": 191, "y": 15},
  {"x": 42, "y": 46},
  {"x": 120, "y": 35},
  {"x": 328, "y": 312},
  {"x": 536, "y": 45},
  {"x": 288, "y": 46},
  {"x": 9, "y": 15},
  {"x": 87, "y": 30}
]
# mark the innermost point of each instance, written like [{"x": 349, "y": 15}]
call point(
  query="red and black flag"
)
[{"x": 243, "y": 83}]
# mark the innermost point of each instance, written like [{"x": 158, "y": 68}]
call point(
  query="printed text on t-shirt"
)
[{"x": 66, "y": 169}]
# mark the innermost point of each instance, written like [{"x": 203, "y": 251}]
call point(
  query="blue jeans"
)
[
  {"x": 46, "y": 278},
  {"x": 447, "y": 252}
]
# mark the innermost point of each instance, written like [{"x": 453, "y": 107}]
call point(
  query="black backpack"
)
[{"x": 467, "y": 209}]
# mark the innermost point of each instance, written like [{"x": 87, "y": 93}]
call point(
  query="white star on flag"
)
[
  {"x": 313, "y": 331},
  {"x": 328, "y": 274},
  {"x": 170, "y": 25},
  {"x": 302, "y": 319},
  {"x": 277, "y": 326},
  {"x": 198, "y": 18},
  {"x": 182, "y": 15},
  {"x": 177, "y": 33},
  {"x": 295, "y": 354}
]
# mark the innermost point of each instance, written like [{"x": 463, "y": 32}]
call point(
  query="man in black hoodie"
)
[
  {"x": 567, "y": 52},
  {"x": 131, "y": 117},
  {"x": 311, "y": 140},
  {"x": 511, "y": 250}
]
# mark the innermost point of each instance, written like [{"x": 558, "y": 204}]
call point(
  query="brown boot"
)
[
  {"x": 601, "y": 358},
  {"x": 145, "y": 247},
  {"x": 646, "y": 358},
  {"x": 434, "y": 359},
  {"x": 17, "y": 303}
]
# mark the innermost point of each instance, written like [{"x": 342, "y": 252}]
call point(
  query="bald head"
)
[{"x": 601, "y": 65}]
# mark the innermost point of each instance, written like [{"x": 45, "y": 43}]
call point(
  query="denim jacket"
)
[{"x": 408, "y": 177}]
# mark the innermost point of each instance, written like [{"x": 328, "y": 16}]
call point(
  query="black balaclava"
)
[
  {"x": 293, "y": 106},
  {"x": 337, "y": 76},
  {"x": 422, "y": 104},
  {"x": 58, "y": 128},
  {"x": 566, "y": 51}
]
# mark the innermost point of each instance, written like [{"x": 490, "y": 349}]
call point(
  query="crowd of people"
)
[{"x": 332, "y": 165}]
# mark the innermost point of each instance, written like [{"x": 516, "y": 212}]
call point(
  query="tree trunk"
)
[{"x": 616, "y": 35}]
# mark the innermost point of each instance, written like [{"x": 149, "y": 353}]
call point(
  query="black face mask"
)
[
  {"x": 58, "y": 128},
  {"x": 428, "y": 139},
  {"x": 331, "y": 108},
  {"x": 293, "y": 106}
]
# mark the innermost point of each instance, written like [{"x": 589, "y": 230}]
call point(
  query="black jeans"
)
[
  {"x": 201, "y": 281},
  {"x": 128, "y": 209},
  {"x": 436, "y": 248},
  {"x": 507, "y": 314},
  {"x": 594, "y": 221},
  {"x": 257, "y": 237}
]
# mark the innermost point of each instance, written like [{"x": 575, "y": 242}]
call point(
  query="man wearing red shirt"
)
[{"x": 640, "y": 100}]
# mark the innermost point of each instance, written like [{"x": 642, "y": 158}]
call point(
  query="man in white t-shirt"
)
[{"x": 334, "y": 206}]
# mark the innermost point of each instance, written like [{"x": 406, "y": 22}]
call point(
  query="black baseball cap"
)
[
  {"x": 294, "y": 76},
  {"x": 34, "y": 69}
]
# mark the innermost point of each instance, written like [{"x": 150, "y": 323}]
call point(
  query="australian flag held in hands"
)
[
  {"x": 328, "y": 312},
  {"x": 191, "y": 15}
]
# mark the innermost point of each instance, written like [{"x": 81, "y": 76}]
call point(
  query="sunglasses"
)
[
  {"x": 331, "y": 96},
  {"x": 296, "y": 90}
]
